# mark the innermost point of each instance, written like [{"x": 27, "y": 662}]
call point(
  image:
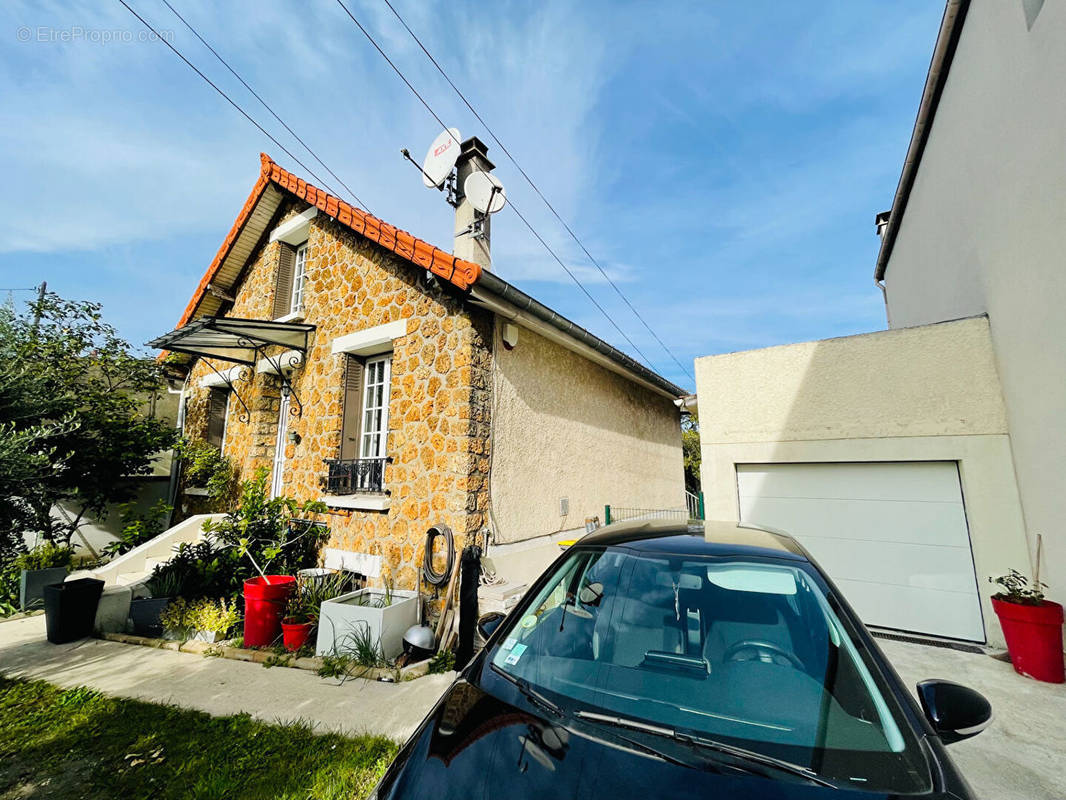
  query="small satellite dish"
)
[
  {"x": 440, "y": 158},
  {"x": 485, "y": 192}
]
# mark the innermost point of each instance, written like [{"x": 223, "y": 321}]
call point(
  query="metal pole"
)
[
  {"x": 703, "y": 513},
  {"x": 606, "y": 515},
  {"x": 39, "y": 307}
]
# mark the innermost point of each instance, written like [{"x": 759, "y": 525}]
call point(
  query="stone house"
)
[{"x": 408, "y": 387}]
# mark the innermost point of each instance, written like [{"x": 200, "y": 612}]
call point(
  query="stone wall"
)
[{"x": 438, "y": 408}]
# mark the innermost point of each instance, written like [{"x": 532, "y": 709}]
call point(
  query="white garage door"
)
[{"x": 892, "y": 536}]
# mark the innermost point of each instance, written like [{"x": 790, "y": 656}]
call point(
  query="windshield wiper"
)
[
  {"x": 531, "y": 694},
  {"x": 739, "y": 753}
]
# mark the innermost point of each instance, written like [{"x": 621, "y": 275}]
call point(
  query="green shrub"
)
[
  {"x": 206, "y": 468},
  {"x": 45, "y": 556},
  {"x": 185, "y": 618},
  {"x": 443, "y": 661},
  {"x": 138, "y": 529},
  {"x": 278, "y": 535},
  {"x": 202, "y": 569}
]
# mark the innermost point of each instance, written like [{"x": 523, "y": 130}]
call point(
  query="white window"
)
[
  {"x": 299, "y": 279},
  {"x": 375, "y": 407}
]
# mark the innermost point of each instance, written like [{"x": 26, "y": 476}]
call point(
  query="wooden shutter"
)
[
  {"x": 353, "y": 406},
  {"x": 216, "y": 416},
  {"x": 283, "y": 289}
]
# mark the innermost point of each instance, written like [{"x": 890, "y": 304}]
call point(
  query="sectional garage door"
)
[{"x": 892, "y": 536}]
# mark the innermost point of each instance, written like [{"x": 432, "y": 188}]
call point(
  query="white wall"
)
[
  {"x": 921, "y": 394},
  {"x": 566, "y": 427},
  {"x": 984, "y": 231}
]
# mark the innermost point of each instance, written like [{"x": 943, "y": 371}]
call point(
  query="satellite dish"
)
[
  {"x": 440, "y": 158},
  {"x": 485, "y": 192}
]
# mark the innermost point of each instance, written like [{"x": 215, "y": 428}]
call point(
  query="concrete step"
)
[{"x": 129, "y": 578}]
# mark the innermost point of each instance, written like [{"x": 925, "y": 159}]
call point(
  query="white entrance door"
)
[
  {"x": 892, "y": 536},
  {"x": 277, "y": 474}
]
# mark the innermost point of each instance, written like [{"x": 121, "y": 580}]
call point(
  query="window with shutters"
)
[
  {"x": 217, "y": 406},
  {"x": 286, "y": 282},
  {"x": 360, "y": 466}
]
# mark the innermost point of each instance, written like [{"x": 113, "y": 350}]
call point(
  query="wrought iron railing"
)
[{"x": 354, "y": 475}]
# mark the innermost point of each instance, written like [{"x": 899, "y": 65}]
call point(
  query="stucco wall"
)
[
  {"x": 565, "y": 427},
  {"x": 983, "y": 232},
  {"x": 920, "y": 394},
  {"x": 936, "y": 380}
]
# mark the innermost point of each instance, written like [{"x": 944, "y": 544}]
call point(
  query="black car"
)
[{"x": 656, "y": 660}]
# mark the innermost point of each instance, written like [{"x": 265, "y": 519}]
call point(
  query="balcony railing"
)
[{"x": 354, "y": 475}]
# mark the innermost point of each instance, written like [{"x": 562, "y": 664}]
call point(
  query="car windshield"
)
[{"x": 747, "y": 652}]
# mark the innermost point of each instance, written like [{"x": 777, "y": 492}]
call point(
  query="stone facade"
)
[{"x": 439, "y": 401}]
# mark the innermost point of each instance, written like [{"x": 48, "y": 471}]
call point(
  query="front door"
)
[{"x": 277, "y": 475}]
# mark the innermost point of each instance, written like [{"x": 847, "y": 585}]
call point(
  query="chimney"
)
[
  {"x": 881, "y": 221},
  {"x": 471, "y": 228}
]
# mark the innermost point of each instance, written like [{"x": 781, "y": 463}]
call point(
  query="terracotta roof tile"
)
[{"x": 455, "y": 270}]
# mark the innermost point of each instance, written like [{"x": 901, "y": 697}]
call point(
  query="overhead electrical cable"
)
[
  {"x": 227, "y": 98},
  {"x": 510, "y": 201},
  {"x": 535, "y": 188},
  {"x": 264, "y": 103}
]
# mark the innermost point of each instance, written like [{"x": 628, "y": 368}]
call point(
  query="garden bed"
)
[{"x": 269, "y": 657}]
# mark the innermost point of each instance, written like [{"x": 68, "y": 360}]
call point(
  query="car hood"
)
[{"x": 475, "y": 745}]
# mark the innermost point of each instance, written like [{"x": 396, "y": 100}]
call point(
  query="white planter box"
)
[{"x": 344, "y": 615}]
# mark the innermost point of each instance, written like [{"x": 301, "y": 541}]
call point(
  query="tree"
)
[
  {"x": 690, "y": 449},
  {"x": 71, "y": 425}
]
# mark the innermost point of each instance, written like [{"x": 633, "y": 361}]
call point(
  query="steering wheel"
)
[{"x": 767, "y": 652}]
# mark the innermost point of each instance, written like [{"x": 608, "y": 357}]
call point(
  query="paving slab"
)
[
  {"x": 219, "y": 686},
  {"x": 1022, "y": 755}
]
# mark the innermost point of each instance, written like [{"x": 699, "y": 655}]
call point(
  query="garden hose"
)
[{"x": 432, "y": 577}]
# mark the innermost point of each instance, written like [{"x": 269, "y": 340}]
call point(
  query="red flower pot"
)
[
  {"x": 294, "y": 634},
  {"x": 1034, "y": 638},
  {"x": 264, "y": 606}
]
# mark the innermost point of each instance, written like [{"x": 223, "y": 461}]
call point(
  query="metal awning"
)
[
  {"x": 241, "y": 341},
  {"x": 244, "y": 342}
]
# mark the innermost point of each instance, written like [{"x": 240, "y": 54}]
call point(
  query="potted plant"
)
[
  {"x": 305, "y": 602},
  {"x": 274, "y": 533},
  {"x": 383, "y": 613},
  {"x": 146, "y": 612},
  {"x": 43, "y": 565},
  {"x": 203, "y": 620},
  {"x": 1031, "y": 625}
]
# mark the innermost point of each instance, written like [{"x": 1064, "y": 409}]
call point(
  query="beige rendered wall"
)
[
  {"x": 983, "y": 231},
  {"x": 919, "y": 394},
  {"x": 566, "y": 427}
]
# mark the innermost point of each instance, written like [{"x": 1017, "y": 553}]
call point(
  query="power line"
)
[
  {"x": 226, "y": 97},
  {"x": 510, "y": 201},
  {"x": 529, "y": 180},
  {"x": 264, "y": 103}
]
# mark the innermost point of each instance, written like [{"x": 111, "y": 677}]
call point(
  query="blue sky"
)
[{"x": 723, "y": 161}]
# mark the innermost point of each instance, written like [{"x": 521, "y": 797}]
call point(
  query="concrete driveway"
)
[{"x": 1022, "y": 756}]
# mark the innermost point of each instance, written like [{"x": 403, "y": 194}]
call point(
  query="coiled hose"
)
[{"x": 431, "y": 576}]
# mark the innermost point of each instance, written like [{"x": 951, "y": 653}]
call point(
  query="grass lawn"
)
[{"x": 77, "y": 743}]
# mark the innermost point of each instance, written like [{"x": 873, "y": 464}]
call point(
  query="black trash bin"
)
[{"x": 70, "y": 609}]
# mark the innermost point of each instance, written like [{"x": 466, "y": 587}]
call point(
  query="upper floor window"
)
[
  {"x": 290, "y": 290},
  {"x": 299, "y": 279}
]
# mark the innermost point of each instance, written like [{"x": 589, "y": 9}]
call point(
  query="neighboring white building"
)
[
  {"x": 978, "y": 227},
  {"x": 917, "y": 462}
]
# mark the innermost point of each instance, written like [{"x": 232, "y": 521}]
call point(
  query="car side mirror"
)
[
  {"x": 489, "y": 623},
  {"x": 955, "y": 712}
]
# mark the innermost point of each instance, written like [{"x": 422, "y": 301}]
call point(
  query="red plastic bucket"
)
[
  {"x": 1034, "y": 638},
  {"x": 294, "y": 634},
  {"x": 264, "y": 606}
]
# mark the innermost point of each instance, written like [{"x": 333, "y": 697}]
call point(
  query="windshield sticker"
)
[
  {"x": 509, "y": 643},
  {"x": 529, "y": 621},
  {"x": 516, "y": 654}
]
